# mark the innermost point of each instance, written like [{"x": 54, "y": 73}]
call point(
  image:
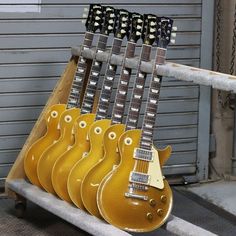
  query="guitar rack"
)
[{"x": 21, "y": 190}]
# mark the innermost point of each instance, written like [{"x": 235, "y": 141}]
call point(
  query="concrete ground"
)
[
  {"x": 221, "y": 194},
  {"x": 38, "y": 221}
]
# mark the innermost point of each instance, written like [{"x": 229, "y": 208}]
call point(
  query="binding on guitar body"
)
[
  {"x": 137, "y": 183},
  {"x": 53, "y": 116}
]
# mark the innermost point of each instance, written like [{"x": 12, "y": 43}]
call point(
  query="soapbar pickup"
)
[
  {"x": 137, "y": 177},
  {"x": 142, "y": 154}
]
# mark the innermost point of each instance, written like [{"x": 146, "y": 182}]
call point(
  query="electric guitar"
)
[
  {"x": 53, "y": 115},
  {"x": 137, "y": 183},
  {"x": 111, "y": 157},
  {"x": 67, "y": 160},
  {"x": 97, "y": 129},
  {"x": 69, "y": 117}
]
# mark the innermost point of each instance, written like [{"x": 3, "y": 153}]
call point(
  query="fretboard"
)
[
  {"x": 138, "y": 89},
  {"x": 77, "y": 84},
  {"x": 108, "y": 81},
  {"x": 92, "y": 83},
  {"x": 122, "y": 87},
  {"x": 152, "y": 102}
]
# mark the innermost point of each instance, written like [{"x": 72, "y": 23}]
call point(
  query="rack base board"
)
[{"x": 87, "y": 222}]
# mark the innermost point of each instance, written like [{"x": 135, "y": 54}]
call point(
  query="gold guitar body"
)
[
  {"x": 37, "y": 148},
  {"x": 134, "y": 213},
  {"x": 51, "y": 154},
  {"x": 95, "y": 175},
  {"x": 64, "y": 163},
  {"x": 81, "y": 168}
]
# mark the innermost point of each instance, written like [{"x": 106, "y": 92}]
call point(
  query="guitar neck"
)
[
  {"x": 152, "y": 103},
  {"x": 122, "y": 88},
  {"x": 138, "y": 89},
  {"x": 91, "y": 88},
  {"x": 77, "y": 84},
  {"x": 108, "y": 81}
]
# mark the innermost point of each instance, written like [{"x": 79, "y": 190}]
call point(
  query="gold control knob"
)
[
  {"x": 149, "y": 216},
  {"x": 152, "y": 202},
  {"x": 160, "y": 212},
  {"x": 163, "y": 198}
]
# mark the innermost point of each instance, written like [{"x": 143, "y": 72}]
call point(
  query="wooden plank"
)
[{"x": 59, "y": 95}]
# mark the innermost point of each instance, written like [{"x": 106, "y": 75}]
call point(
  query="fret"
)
[
  {"x": 108, "y": 81},
  {"x": 151, "y": 110},
  {"x": 93, "y": 78},
  {"x": 77, "y": 84}
]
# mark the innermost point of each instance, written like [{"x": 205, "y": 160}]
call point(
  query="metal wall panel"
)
[{"x": 35, "y": 48}]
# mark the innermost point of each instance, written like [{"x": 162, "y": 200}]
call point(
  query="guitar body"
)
[
  {"x": 132, "y": 213},
  {"x": 81, "y": 168},
  {"x": 95, "y": 175},
  {"x": 51, "y": 154},
  {"x": 37, "y": 148},
  {"x": 64, "y": 164}
]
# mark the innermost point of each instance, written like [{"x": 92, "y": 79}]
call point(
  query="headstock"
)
[
  {"x": 149, "y": 29},
  {"x": 109, "y": 19},
  {"x": 94, "y": 17},
  {"x": 136, "y": 27},
  {"x": 122, "y": 24},
  {"x": 164, "y": 29}
]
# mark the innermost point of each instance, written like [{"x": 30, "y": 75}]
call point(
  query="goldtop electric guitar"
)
[
  {"x": 67, "y": 139},
  {"x": 98, "y": 128},
  {"x": 54, "y": 113},
  {"x": 80, "y": 149},
  {"x": 135, "y": 196},
  {"x": 111, "y": 157}
]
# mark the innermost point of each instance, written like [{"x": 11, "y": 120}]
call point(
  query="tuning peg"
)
[
  {"x": 86, "y": 9},
  {"x": 173, "y": 35},
  {"x": 84, "y": 15},
  {"x": 153, "y": 23},
  {"x": 139, "y": 21},
  {"x": 174, "y": 28},
  {"x": 172, "y": 41},
  {"x": 138, "y": 33},
  {"x": 139, "y": 27}
]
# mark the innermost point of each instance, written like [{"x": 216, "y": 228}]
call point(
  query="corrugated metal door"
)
[{"x": 35, "y": 47}]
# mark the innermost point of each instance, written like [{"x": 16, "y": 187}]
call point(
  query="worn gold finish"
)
[
  {"x": 132, "y": 216},
  {"x": 36, "y": 149},
  {"x": 81, "y": 168},
  {"x": 94, "y": 177},
  {"x": 54, "y": 151},
  {"x": 64, "y": 164}
]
